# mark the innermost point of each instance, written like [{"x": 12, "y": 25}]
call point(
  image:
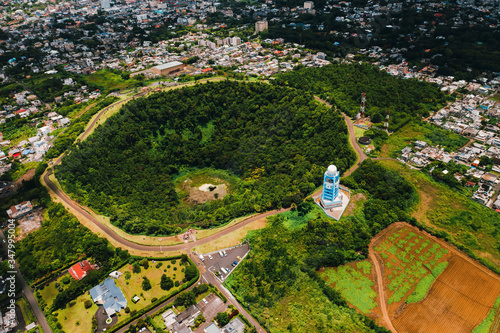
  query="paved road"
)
[{"x": 40, "y": 317}]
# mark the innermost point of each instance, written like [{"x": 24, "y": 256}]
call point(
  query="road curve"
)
[
  {"x": 67, "y": 201},
  {"x": 352, "y": 139}
]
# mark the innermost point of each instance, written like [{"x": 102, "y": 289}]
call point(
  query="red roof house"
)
[{"x": 79, "y": 270}]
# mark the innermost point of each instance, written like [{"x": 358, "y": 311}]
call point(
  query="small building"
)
[
  {"x": 260, "y": 26},
  {"x": 489, "y": 179},
  {"x": 20, "y": 209},
  {"x": 188, "y": 316},
  {"x": 168, "y": 68},
  {"x": 109, "y": 296},
  {"x": 235, "y": 326},
  {"x": 169, "y": 318},
  {"x": 115, "y": 274},
  {"x": 79, "y": 270}
]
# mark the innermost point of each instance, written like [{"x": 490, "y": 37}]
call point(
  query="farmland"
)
[{"x": 428, "y": 286}]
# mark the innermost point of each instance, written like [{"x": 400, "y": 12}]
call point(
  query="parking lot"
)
[{"x": 217, "y": 262}]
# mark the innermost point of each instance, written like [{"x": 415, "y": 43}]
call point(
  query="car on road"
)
[{"x": 210, "y": 257}]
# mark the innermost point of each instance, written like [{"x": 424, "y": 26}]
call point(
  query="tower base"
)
[{"x": 327, "y": 204}]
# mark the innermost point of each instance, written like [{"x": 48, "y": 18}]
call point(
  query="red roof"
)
[
  {"x": 16, "y": 155},
  {"x": 79, "y": 270}
]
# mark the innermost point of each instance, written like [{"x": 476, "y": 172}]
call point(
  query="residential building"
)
[
  {"x": 109, "y": 296},
  {"x": 19, "y": 210},
  {"x": 260, "y": 26}
]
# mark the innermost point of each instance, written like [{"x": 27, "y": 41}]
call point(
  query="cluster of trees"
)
[
  {"x": 342, "y": 85},
  {"x": 61, "y": 241},
  {"x": 188, "y": 298},
  {"x": 277, "y": 140},
  {"x": 279, "y": 275},
  {"x": 391, "y": 196}
]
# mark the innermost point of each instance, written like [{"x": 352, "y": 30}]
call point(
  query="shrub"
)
[
  {"x": 176, "y": 283},
  {"x": 66, "y": 280},
  {"x": 88, "y": 304},
  {"x": 158, "y": 265}
]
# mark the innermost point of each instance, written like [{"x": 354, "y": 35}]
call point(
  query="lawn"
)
[
  {"x": 354, "y": 283},
  {"x": 77, "y": 319},
  {"x": 294, "y": 221},
  {"x": 49, "y": 292},
  {"x": 429, "y": 133},
  {"x": 467, "y": 222},
  {"x": 133, "y": 286},
  {"x": 108, "y": 81},
  {"x": 359, "y": 132}
]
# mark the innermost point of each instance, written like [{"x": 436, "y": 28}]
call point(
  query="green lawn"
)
[
  {"x": 49, "y": 292},
  {"x": 134, "y": 285},
  {"x": 77, "y": 319},
  {"x": 294, "y": 221},
  {"x": 431, "y": 134},
  {"x": 354, "y": 284}
]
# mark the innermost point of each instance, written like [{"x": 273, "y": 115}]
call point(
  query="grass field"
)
[
  {"x": 355, "y": 284},
  {"x": 468, "y": 223},
  {"x": 77, "y": 319},
  {"x": 49, "y": 292},
  {"x": 133, "y": 286},
  {"x": 421, "y": 131},
  {"x": 234, "y": 238},
  {"x": 495, "y": 98},
  {"x": 294, "y": 221}
]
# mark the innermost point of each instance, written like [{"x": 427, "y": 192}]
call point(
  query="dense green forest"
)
[
  {"x": 279, "y": 279},
  {"x": 342, "y": 86},
  {"x": 277, "y": 140}
]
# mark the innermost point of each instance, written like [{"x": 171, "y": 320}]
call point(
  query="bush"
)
[
  {"x": 127, "y": 310},
  {"x": 66, "y": 280},
  {"x": 88, "y": 304},
  {"x": 136, "y": 268},
  {"x": 154, "y": 299},
  {"x": 158, "y": 265},
  {"x": 176, "y": 283},
  {"x": 146, "y": 284}
]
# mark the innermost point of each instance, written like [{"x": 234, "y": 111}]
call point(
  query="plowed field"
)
[
  {"x": 422, "y": 295},
  {"x": 458, "y": 301}
]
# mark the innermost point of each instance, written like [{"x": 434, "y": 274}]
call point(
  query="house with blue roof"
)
[{"x": 109, "y": 296}]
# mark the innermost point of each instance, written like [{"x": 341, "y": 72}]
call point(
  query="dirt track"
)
[{"x": 380, "y": 280}]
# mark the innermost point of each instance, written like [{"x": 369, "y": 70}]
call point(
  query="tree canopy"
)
[
  {"x": 276, "y": 140},
  {"x": 342, "y": 85}
]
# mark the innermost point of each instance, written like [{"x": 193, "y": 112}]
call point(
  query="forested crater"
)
[{"x": 267, "y": 145}]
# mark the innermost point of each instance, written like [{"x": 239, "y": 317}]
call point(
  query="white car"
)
[
  {"x": 210, "y": 256},
  {"x": 225, "y": 254}
]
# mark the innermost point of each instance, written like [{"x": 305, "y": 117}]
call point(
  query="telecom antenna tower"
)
[{"x": 361, "y": 113}]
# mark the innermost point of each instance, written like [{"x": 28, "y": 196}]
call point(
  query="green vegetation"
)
[
  {"x": 354, "y": 286},
  {"x": 109, "y": 80},
  {"x": 391, "y": 145},
  {"x": 485, "y": 326},
  {"x": 18, "y": 170},
  {"x": 391, "y": 196},
  {"x": 279, "y": 280},
  {"x": 465, "y": 223},
  {"x": 276, "y": 140},
  {"x": 68, "y": 137},
  {"x": 342, "y": 86}
]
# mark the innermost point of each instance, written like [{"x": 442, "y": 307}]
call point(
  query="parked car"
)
[
  {"x": 210, "y": 257},
  {"x": 221, "y": 254},
  {"x": 234, "y": 263},
  {"x": 225, "y": 254},
  {"x": 201, "y": 257}
]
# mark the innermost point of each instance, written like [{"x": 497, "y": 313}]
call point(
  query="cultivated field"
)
[
  {"x": 427, "y": 285},
  {"x": 431, "y": 287}
]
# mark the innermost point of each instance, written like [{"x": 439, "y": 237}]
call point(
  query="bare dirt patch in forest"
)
[{"x": 203, "y": 193}]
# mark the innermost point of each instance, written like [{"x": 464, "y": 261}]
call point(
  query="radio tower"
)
[
  {"x": 386, "y": 124},
  {"x": 361, "y": 113}
]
